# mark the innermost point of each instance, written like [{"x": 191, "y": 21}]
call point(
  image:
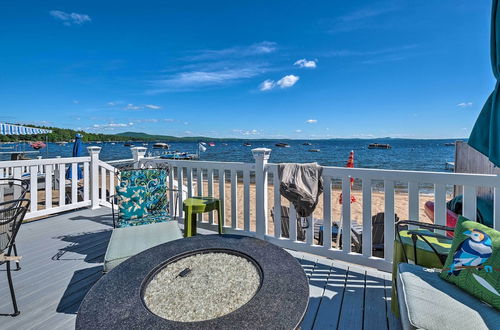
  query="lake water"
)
[{"x": 419, "y": 155}]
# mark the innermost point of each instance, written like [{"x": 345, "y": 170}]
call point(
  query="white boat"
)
[{"x": 161, "y": 145}]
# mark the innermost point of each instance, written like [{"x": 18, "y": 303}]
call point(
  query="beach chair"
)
[
  {"x": 143, "y": 219},
  {"x": 285, "y": 224}
]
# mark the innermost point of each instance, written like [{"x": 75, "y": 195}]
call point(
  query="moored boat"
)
[
  {"x": 247, "y": 144},
  {"x": 379, "y": 146},
  {"x": 306, "y": 143},
  {"x": 314, "y": 150},
  {"x": 38, "y": 145},
  {"x": 161, "y": 145},
  {"x": 282, "y": 145}
]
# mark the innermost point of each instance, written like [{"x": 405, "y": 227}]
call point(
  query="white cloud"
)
[
  {"x": 152, "y": 106},
  {"x": 311, "y": 121},
  {"x": 464, "y": 104},
  {"x": 246, "y": 132},
  {"x": 360, "y": 19},
  {"x": 267, "y": 85},
  {"x": 189, "y": 80},
  {"x": 260, "y": 48},
  {"x": 69, "y": 19},
  {"x": 112, "y": 125},
  {"x": 76, "y": 101},
  {"x": 288, "y": 81},
  {"x": 298, "y": 131},
  {"x": 303, "y": 63},
  {"x": 131, "y": 106},
  {"x": 148, "y": 120}
]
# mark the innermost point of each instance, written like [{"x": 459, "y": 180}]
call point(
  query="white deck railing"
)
[
  {"x": 202, "y": 178},
  {"x": 49, "y": 190},
  {"x": 248, "y": 192}
]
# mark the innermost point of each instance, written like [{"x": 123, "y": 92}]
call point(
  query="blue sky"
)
[{"x": 248, "y": 69}]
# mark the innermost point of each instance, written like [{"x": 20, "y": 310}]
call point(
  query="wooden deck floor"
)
[{"x": 62, "y": 259}]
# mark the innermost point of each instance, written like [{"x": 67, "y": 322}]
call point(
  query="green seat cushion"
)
[
  {"x": 473, "y": 263},
  {"x": 126, "y": 242},
  {"x": 131, "y": 202},
  {"x": 428, "y": 302},
  {"x": 155, "y": 217}
]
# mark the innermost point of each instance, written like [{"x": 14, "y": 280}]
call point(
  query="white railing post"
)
[
  {"x": 94, "y": 176},
  {"x": 138, "y": 154},
  {"x": 261, "y": 156}
]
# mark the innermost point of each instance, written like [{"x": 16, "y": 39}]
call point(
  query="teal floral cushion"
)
[
  {"x": 131, "y": 202},
  {"x": 154, "y": 181}
]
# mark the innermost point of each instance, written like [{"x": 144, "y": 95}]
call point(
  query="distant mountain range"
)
[{"x": 64, "y": 134}]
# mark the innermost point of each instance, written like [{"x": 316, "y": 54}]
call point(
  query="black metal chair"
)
[
  {"x": 11, "y": 189},
  {"x": 11, "y": 216},
  {"x": 416, "y": 234}
]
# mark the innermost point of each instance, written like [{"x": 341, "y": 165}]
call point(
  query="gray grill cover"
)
[{"x": 302, "y": 185}]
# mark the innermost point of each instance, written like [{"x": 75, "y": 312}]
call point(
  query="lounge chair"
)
[
  {"x": 134, "y": 234},
  {"x": 285, "y": 224},
  {"x": 357, "y": 234},
  {"x": 416, "y": 287}
]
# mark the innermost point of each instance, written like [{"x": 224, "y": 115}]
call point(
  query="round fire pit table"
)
[{"x": 201, "y": 282}]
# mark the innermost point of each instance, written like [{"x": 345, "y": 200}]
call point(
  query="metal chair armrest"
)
[{"x": 422, "y": 235}]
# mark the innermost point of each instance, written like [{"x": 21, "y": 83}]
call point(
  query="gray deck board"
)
[
  {"x": 351, "y": 313},
  {"x": 329, "y": 310},
  {"x": 62, "y": 259}
]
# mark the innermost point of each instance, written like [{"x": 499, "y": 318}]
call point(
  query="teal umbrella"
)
[{"x": 485, "y": 136}]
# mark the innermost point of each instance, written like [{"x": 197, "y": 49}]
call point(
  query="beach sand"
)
[{"x": 400, "y": 205}]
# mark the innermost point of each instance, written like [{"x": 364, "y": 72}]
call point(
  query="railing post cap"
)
[
  {"x": 94, "y": 149},
  {"x": 263, "y": 153}
]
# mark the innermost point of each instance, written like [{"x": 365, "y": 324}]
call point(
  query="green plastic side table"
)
[{"x": 196, "y": 205}]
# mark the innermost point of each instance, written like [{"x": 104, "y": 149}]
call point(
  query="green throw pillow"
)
[
  {"x": 131, "y": 203},
  {"x": 473, "y": 263}
]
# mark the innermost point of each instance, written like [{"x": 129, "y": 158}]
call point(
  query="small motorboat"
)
[
  {"x": 212, "y": 144},
  {"x": 314, "y": 150},
  {"x": 379, "y": 146},
  {"x": 307, "y": 144},
  {"x": 128, "y": 144},
  {"x": 161, "y": 145},
  {"x": 38, "y": 145},
  {"x": 179, "y": 156},
  {"x": 282, "y": 145},
  {"x": 247, "y": 144},
  {"x": 145, "y": 144},
  {"x": 61, "y": 143}
]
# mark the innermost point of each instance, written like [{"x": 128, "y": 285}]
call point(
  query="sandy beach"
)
[{"x": 400, "y": 205}]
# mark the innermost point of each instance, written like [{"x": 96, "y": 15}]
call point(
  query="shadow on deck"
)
[{"x": 63, "y": 255}]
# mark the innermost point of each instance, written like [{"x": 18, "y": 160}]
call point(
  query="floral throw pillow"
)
[
  {"x": 473, "y": 263},
  {"x": 131, "y": 202}
]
